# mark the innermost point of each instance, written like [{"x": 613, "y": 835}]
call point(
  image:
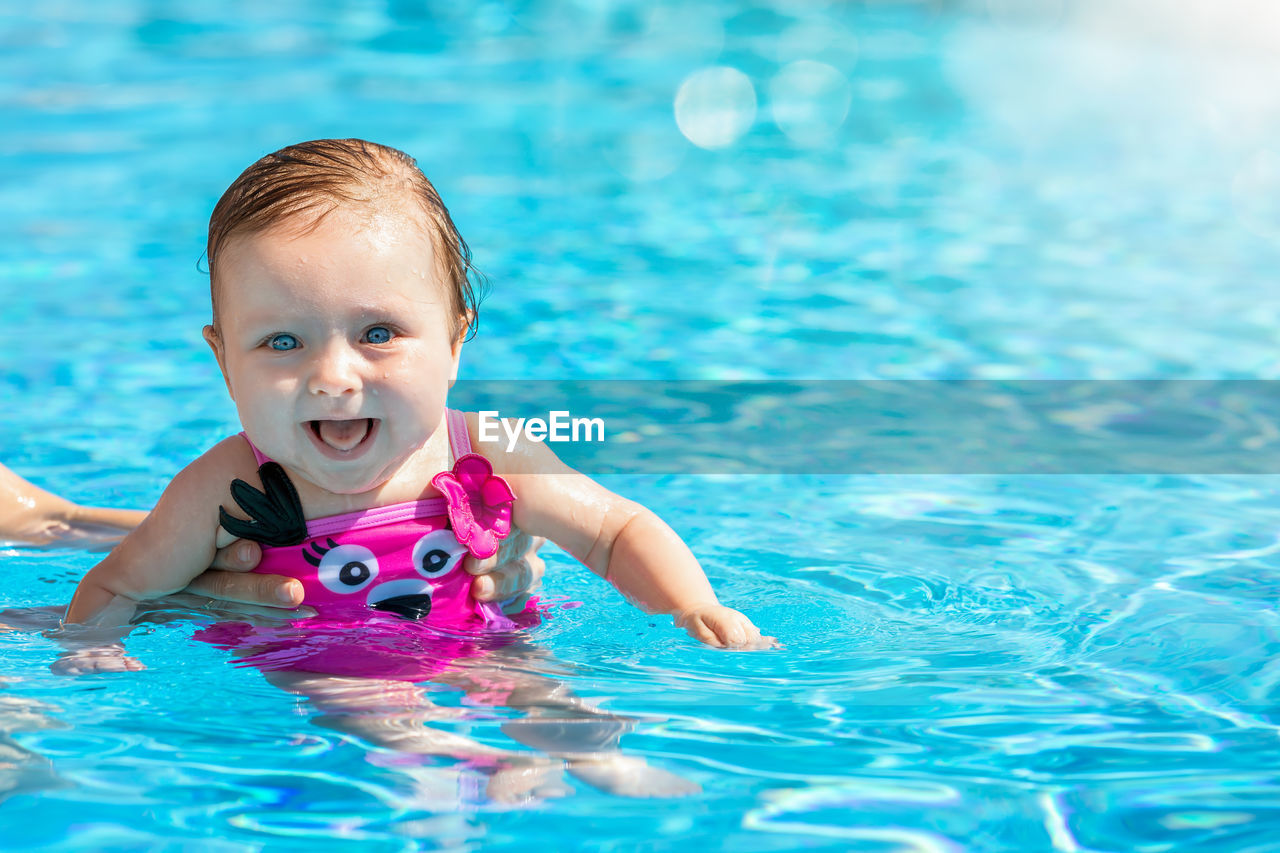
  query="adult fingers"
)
[
  {"x": 520, "y": 576},
  {"x": 512, "y": 547},
  {"x": 243, "y": 555},
  {"x": 515, "y": 569},
  {"x": 501, "y": 581},
  {"x": 512, "y": 606},
  {"x": 537, "y": 565},
  {"x": 247, "y": 588},
  {"x": 524, "y": 571}
]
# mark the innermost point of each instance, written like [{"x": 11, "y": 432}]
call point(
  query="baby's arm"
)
[
  {"x": 174, "y": 544},
  {"x": 618, "y": 539}
]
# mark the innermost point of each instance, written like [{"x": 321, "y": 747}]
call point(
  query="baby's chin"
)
[{"x": 349, "y": 478}]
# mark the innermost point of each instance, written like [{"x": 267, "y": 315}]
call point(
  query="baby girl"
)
[{"x": 341, "y": 300}]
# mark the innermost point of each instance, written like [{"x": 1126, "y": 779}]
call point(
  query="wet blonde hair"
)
[{"x": 307, "y": 181}]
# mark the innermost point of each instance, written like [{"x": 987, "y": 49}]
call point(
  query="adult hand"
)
[
  {"x": 231, "y": 578},
  {"x": 512, "y": 574}
]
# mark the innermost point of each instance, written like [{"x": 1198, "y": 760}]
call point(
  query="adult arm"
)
[{"x": 30, "y": 514}]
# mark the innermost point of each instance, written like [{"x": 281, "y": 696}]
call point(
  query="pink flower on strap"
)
[{"x": 479, "y": 504}]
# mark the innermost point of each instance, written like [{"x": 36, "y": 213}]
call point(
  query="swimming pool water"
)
[{"x": 970, "y": 662}]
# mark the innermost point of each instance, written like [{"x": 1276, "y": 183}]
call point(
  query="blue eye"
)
[
  {"x": 378, "y": 335},
  {"x": 283, "y": 342}
]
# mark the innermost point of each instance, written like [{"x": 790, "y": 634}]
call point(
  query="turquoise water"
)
[{"x": 970, "y": 662}]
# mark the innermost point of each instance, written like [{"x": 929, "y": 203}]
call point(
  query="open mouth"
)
[
  {"x": 409, "y": 598},
  {"x": 415, "y": 607},
  {"x": 342, "y": 439}
]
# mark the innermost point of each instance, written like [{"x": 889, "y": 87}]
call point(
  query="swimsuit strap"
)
[
  {"x": 261, "y": 457},
  {"x": 459, "y": 440}
]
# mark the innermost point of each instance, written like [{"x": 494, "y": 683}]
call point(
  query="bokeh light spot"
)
[
  {"x": 1255, "y": 195},
  {"x": 809, "y": 101},
  {"x": 715, "y": 106}
]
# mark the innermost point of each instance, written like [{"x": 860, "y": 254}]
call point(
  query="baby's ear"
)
[
  {"x": 215, "y": 343},
  {"x": 464, "y": 323}
]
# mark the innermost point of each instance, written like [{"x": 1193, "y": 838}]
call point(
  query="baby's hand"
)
[
  {"x": 96, "y": 659},
  {"x": 724, "y": 627}
]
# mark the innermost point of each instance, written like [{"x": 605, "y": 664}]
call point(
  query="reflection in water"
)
[
  {"x": 567, "y": 733},
  {"x": 21, "y": 770}
]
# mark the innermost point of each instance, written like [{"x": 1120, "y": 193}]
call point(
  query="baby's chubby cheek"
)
[{"x": 271, "y": 428}]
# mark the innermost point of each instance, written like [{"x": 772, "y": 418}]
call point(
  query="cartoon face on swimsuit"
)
[
  {"x": 412, "y": 573},
  {"x": 409, "y": 566}
]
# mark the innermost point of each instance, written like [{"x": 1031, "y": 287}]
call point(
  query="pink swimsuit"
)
[{"x": 388, "y": 584}]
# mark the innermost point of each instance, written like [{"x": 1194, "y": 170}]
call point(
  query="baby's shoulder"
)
[
  {"x": 206, "y": 481},
  {"x": 191, "y": 500},
  {"x": 229, "y": 459}
]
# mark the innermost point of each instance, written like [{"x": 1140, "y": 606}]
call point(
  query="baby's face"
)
[{"x": 336, "y": 345}]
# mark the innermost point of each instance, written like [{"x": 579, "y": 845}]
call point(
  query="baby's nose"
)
[{"x": 334, "y": 372}]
